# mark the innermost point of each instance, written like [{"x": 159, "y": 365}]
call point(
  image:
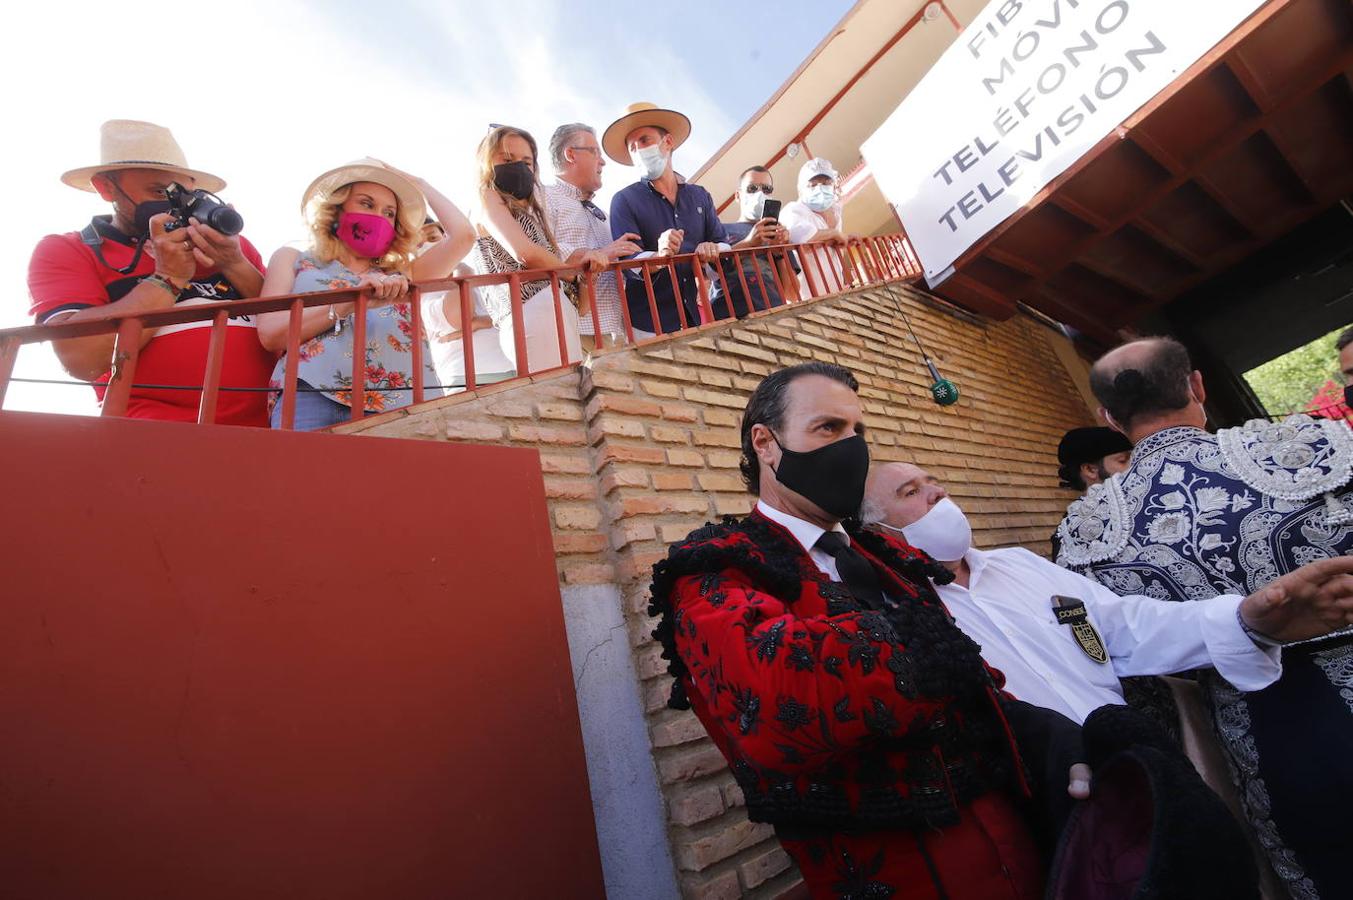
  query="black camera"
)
[{"x": 202, "y": 205}]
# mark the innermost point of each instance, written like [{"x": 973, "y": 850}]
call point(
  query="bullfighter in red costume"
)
[{"x": 855, "y": 715}]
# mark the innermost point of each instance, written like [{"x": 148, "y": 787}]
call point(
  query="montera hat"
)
[
  {"x": 412, "y": 206},
  {"x": 128, "y": 144},
  {"x": 638, "y": 115},
  {"x": 1151, "y": 829},
  {"x": 1087, "y": 445}
]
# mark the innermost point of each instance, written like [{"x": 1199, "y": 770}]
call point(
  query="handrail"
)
[{"x": 828, "y": 267}]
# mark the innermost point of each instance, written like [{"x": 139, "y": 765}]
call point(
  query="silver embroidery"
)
[
  {"x": 1097, "y": 526},
  {"x": 1295, "y": 459},
  {"x": 1337, "y": 664},
  {"x": 1191, "y": 518},
  {"x": 1232, "y": 716}
]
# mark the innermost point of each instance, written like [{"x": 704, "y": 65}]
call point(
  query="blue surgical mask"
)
[
  {"x": 820, "y": 198},
  {"x": 753, "y": 205},
  {"x": 652, "y": 160}
]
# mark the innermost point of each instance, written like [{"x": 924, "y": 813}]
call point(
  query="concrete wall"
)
[{"x": 641, "y": 446}]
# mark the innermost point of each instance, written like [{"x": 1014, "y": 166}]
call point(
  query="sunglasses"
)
[
  {"x": 760, "y": 188},
  {"x": 594, "y": 210}
]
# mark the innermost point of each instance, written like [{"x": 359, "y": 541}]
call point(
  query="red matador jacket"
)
[{"x": 831, "y": 714}]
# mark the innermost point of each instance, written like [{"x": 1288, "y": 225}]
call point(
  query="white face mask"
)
[
  {"x": 753, "y": 205},
  {"x": 943, "y": 532},
  {"x": 652, "y": 160},
  {"x": 820, "y": 198}
]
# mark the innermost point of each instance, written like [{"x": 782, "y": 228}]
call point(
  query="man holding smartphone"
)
[{"x": 758, "y": 227}]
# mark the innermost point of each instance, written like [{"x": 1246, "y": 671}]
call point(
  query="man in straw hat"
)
[
  {"x": 128, "y": 262},
  {"x": 670, "y": 216}
]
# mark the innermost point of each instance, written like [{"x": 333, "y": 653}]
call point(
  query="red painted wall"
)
[{"x": 238, "y": 663}]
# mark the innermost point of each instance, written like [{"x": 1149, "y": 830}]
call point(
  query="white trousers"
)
[{"x": 542, "y": 333}]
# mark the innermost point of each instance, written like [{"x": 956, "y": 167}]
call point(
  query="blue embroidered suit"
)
[{"x": 1196, "y": 515}]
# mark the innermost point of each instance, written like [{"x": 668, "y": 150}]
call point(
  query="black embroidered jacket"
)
[{"x": 831, "y": 714}]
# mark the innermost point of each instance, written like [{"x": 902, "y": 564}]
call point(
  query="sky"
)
[{"x": 268, "y": 94}]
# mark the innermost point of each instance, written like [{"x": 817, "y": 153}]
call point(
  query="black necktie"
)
[{"x": 859, "y": 576}]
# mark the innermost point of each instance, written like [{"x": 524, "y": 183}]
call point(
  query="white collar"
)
[{"x": 806, "y": 533}]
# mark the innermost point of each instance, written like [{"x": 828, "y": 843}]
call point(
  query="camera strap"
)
[{"x": 94, "y": 241}]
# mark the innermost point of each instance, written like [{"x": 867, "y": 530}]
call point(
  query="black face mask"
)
[
  {"x": 832, "y": 477},
  {"x": 141, "y": 217},
  {"x": 515, "y": 179},
  {"x": 142, "y": 212},
  {"x": 1348, "y": 395}
]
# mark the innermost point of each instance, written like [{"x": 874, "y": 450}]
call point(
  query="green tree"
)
[{"x": 1287, "y": 384}]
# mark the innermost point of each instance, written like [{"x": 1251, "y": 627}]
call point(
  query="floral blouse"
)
[{"x": 326, "y": 359}]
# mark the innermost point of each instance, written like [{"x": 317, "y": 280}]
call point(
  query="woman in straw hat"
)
[
  {"x": 366, "y": 221},
  {"x": 514, "y": 235}
]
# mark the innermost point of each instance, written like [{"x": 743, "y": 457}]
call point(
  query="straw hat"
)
[
  {"x": 127, "y": 144},
  {"x": 412, "y": 206},
  {"x": 637, "y": 115}
]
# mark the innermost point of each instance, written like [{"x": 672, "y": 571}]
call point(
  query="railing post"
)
[
  {"x": 624, "y": 304},
  {"x": 559, "y": 320},
  {"x": 804, "y": 256},
  {"x": 518, "y": 323},
  {"x": 775, "y": 274},
  {"x": 760, "y": 279},
  {"x": 702, "y": 293},
  {"x": 589, "y": 289},
  {"x": 291, "y": 368},
  {"x": 467, "y": 336},
  {"x": 652, "y": 302},
  {"x": 723, "y": 282},
  {"x": 357, "y": 396},
  {"x": 211, "y": 377},
  {"x": 677, "y": 295},
  {"x": 416, "y": 348},
  {"x": 9, "y": 354},
  {"x": 126, "y": 349}
]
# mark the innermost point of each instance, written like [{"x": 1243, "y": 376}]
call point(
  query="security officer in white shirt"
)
[{"x": 1063, "y": 640}]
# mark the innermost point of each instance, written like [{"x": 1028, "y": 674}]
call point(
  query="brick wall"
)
[{"x": 642, "y": 446}]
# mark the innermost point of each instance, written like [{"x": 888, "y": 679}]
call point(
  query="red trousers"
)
[{"x": 988, "y": 855}]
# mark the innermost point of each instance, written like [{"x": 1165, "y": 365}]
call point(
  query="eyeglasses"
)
[
  {"x": 594, "y": 210},
  {"x": 761, "y": 188}
]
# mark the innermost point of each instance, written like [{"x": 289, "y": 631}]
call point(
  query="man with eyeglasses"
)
[
  {"x": 754, "y": 230},
  {"x": 579, "y": 224}
]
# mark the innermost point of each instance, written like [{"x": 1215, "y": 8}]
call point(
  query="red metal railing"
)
[{"x": 828, "y": 267}]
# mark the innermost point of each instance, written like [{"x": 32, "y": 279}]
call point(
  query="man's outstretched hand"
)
[{"x": 1312, "y": 601}]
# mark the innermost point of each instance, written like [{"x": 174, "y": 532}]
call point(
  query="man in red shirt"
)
[{"x": 128, "y": 262}]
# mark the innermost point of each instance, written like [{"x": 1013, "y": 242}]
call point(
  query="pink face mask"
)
[{"x": 366, "y": 234}]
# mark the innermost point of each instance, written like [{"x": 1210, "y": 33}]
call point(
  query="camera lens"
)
[{"x": 225, "y": 220}]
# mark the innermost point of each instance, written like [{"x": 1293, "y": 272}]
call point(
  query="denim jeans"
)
[{"x": 313, "y": 410}]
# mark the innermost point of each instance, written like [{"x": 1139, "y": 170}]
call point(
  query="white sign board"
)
[{"x": 1025, "y": 91}]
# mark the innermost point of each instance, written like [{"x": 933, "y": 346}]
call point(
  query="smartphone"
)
[{"x": 771, "y": 210}]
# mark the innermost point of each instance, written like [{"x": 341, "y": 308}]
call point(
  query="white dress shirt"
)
[
  {"x": 1007, "y": 609},
  {"x": 802, "y": 223},
  {"x": 806, "y": 533}
]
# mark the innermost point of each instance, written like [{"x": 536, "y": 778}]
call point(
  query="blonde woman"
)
[
  {"x": 366, "y": 221},
  {"x": 512, "y": 235}
]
